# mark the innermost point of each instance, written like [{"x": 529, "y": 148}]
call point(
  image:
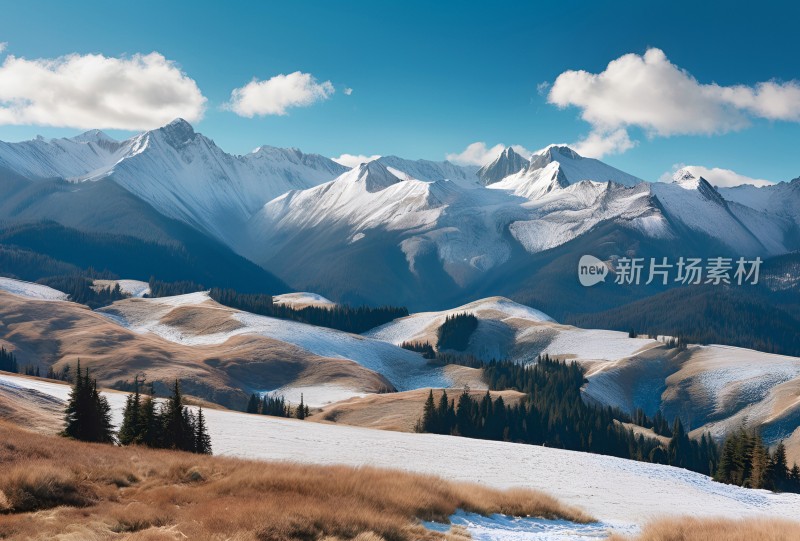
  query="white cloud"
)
[
  {"x": 598, "y": 144},
  {"x": 724, "y": 178},
  {"x": 274, "y": 96},
  {"x": 651, "y": 93},
  {"x": 353, "y": 160},
  {"x": 348, "y": 91},
  {"x": 94, "y": 91},
  {"x": 3, "y": 45},
  {"x": 543, "y": 87},
  {"x": 479, "y": 154}
]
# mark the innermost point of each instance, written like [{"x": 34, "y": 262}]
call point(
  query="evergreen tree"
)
[
  {"x": 8, "y": 362},
  {"x": 202, "y": 441},
  {"x": 253, "y": 403},
  {"x": 443, "y": 415},
  {"x": 129, "y": 430},
  {"x": 178, "y": 432},
  {"x": 759, "y": 460},
  {"x": 464, "y": 421},
  {"x": 779, "y": 468},
  {"x": 429, "y": 414},
  {"x": 301, "y": 409},
  {"x": 150, "y": 424},
  {"x": 88, "y": 414}
]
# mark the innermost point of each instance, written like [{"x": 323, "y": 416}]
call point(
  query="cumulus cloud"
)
[
  {"x": 479, "y": 154},
  {"x": 95, "y": 91},
  {"x": 3, "y": 45},
  {"x": 348, "y": 91},
  {"x": 353, "y": 160},
  {"x": 274, "y": 96},
  {"x": 598, "y": 144},
  {"x": 649, "y": 92},
  {"x": 724, "y": 178}
]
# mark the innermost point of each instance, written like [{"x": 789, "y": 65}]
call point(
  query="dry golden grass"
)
[
  {"x": 51, "y": 488},
  {"x": 711, "y": 529}
]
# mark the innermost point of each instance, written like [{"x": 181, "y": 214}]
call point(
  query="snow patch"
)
[{"x": 30, "y": 290}]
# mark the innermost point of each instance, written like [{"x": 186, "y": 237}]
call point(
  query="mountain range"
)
[{"x": 418, "y": 233}]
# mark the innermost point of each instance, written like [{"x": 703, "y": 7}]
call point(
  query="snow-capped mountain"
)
[
  {"x": 781, "y": 199},
  {"x": 694, "y": 204},
  {"x": 435, "y": 228},
  {"x": 507, "y": 163},
  {"x": 181, "y": 173}
]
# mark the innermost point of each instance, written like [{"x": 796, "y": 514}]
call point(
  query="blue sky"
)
[{"x": 430, "y": 78}]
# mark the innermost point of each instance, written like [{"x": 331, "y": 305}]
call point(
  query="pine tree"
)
[
  {"x": 301, "y": 409},
  {"x": 428, "y": 423},
  {"x": 253, "y": 403},
  {"x": 177, "y": 434},
  {"x": 779, "y": 468},
  {"x": 202, "y": 441},
  {"x": 442, "y": 416},
  {"x": 759, "y": 464},
  {"x": 130, "y": 429},
  {"x": 150, "y": 429},
  {"x": 88, "y": 414}
]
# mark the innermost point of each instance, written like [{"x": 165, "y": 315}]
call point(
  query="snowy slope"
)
[
  {"x": 302, "y": 299},
  {"x": 694, "y": 203},
  {"x": 69, "y": 158},
  {"x": 560, "y": 215},
  {"x": 576, "y": 168},
  {"x": 619, "y": 492},
  {"x": 133, "y": 288},
  {"x": 404, "y": 369},
  {"x": 512, "y": 331},
  {"x": 431, "y": 171},
  {"x": 781, "y": 199},
  {"x": 31, "y": 291}
]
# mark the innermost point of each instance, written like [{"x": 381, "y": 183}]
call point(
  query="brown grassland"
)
[
  {"x": 53, "y": 488},
  {"x": 711, "y": 529}
]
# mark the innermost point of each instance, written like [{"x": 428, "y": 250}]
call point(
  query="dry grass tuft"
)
[
  {"x": 715, "y": 529},
  {"x": 58, "y": 489}
]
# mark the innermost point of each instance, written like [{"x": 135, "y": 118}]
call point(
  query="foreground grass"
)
[
  {"x": 710, "y": 529},
  {"x": 52, "y": 488}
]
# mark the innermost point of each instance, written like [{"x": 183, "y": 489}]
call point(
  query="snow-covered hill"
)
[
  {"x": 31, "y": 291},
  {"x": 168, "y": 318},
  {"x": 622, "y": 494}
]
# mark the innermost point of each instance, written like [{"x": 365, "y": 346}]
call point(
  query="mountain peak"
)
[
  {"x": 552, "y": 153},
  {"x": 375, "y": 176},
  {"x": 177, "y": 133},
  {"x": 507, "y": 163},
  {"x": 93, "y": 136},
  {"x": 685, "y": 176},
  {"x": 690, "y": 181}
]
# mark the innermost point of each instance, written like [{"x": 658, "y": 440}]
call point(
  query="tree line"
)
[
  {"x": 82, "y": 290},
  {"x": 341, "y": 317},
  {"x": 170, "y": 425},
  {"x": 553, "y": 413},
  {"x": 276, "y": 405},
  {"x": 8, "y": 361}
]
